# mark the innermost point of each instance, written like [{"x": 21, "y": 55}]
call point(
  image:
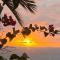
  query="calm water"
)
[{"x": 33, "y": 53}]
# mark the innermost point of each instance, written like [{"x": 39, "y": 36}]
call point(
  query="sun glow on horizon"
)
[
  {"x": 32, "y": 41},
  {"x": 26, "y": 42}
]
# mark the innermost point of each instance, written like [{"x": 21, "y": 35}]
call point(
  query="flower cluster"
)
[{"x": 7, "y": 21}]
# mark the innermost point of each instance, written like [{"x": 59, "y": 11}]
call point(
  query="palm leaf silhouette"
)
[
  {"x": 12, "y": 5},
  {"x": 28, "y": 4},
  {"x": 1, "y": 8}
]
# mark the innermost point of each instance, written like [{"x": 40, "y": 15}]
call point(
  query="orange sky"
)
[
  {"x": 48, "y": 12},
  {"x": 37, "y": 39}
]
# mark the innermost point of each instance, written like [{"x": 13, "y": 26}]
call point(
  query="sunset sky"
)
[{"x": 47, "y": 12}]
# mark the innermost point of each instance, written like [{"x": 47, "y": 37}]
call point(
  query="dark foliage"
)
[
  {"x": 56, "y": 31},
  {"x": 3, "y": 42},
  {"x": 13, "y": 4},
  {"x": 15, "y": 31},
  {"x": 1, "y": 45},
  {"x": 53, "y": 34},
  {"x": 23, "y": 57},
  {"x": 11, "y": 36},
  {"x": 14, "y": 56},
  {"x": 36, "y": 27},
  {"x": 1, "y": 58},
  {"x": 46, "y": 34},
  {"x": 28, "y": 4},
  {"x": 1, "y": 8},
  {"x": 26, "y": 31},
  {"x": 51, "y": 28},
  {"x": 16, "y": 3},
  {"x": 32, "y": 28},
  {"x": 8, "y": 21},
  {"x": 12, "y": 22},
  {"x": 43, "y": 28}
]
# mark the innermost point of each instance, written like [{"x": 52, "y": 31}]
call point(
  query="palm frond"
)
[
  {"x": 15, "y": 3},
  {"x": 28, "y": 4},
  {"x": 5, "y": 2},
  {"x": 8, "y": 3},
  {"x": 18, "y": 17},
  {"x": 1, "y": 8}
]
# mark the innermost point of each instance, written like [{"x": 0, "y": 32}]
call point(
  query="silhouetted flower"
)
[
  {"x": 11, "y": 21},
  {"x": 5, "y": 20},
  {"x": 51, "y": 28}
]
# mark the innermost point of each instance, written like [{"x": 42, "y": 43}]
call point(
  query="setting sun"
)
[{"x": 28, "y": 42}]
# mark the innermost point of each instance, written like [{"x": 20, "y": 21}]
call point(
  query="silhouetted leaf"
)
[
  {"x": 3, "y": 41},
  {"x": 32, "y": 28},
  {"x": 1, "y": 58},
  {"x": 46, "y": 34},
  {"x": 24, "y": 56},
  {"x": 26, "y": 31},
  {"x": 11, "y": 21},
  {"x": 14, "y": 56},
  {"x": 15, "y": 31},
  {"x": 53, "y": 34},
  {"x": 28, "y": 4},
  {"x": 51, "y": 28},
  {"x": 43, "y": 28},
  {"x": 1, "y": 8},
  {"x": 12, "y": 5},
  {"x": 11, "y": 36},
  {"x": 56, "y": 31},
  {"x": 36, "y": 27},
  {"x": 16, "y": 3}
]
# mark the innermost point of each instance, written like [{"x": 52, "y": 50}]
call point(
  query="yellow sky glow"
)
[{"x": 32, "y": 41}]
